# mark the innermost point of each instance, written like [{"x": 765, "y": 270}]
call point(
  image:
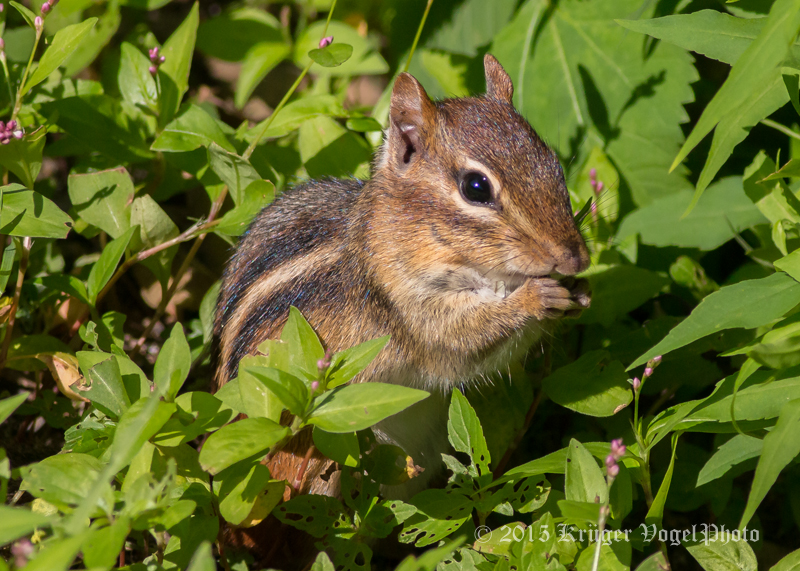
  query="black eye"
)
[{"x": 476, "y": 188}]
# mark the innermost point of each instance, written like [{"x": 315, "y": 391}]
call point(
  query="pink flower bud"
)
[
  {"x": 3, "y": 126},
  {"x": 314, "y": 386},
  {"x": 2, "y": 7},
  {"x": 11, "y": 125},
  {"x": 593, "y": 174},
  {"x": 2, "y": 41},
  {"x": 38, "y": 22},
  {"x": 599, "y": 188},
  {"x": 4, "y": 141},
  {"x": 613, "y": 471},
  {"x": 18, "y": 133},
  {"x": 610, "y": 460},
  {"x": 617, "y": 448},
  {"x": 153, "y": 70},
  {"x": 656, "y": 360},
  {"x": 45, "y": 8},
  {"x": 153, "y": 53},
  {"x": 162, "y": 59},
  {"x": 636, "y": 384},
  {"x": 52, "y": 2},
  {"x": 648, "y": 371},
  {"x": 325, "y": 42}
]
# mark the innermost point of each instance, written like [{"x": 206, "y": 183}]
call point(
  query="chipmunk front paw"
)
[{"x": 551, "y": 299}]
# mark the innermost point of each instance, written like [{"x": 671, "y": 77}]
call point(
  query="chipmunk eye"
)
[{"x": 476, "y": 188}]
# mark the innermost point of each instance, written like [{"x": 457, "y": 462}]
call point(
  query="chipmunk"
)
[{"x": 455, "y": 248}]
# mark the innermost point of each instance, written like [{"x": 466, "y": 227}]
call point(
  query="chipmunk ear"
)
[
  {"x": 498, "y": 83},
  {"x": 411, "y": 115}
]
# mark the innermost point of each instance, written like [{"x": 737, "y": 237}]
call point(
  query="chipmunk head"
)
[{"x": 476, "y": 186}]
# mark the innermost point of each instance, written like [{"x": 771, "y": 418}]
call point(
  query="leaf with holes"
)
[
  {"x": 315, "y": 514},
  {"x": 439, "y": 513},
  {"x": 465, "y": 433}
]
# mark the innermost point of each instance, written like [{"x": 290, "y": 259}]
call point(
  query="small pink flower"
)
[
  {"x": 636, "y": 384},
  {"x": 617, "y": 448},
  {"x": 2, "y": 41},
  {"x": 648, "y": 371},
  {"x": 153, "y": 70},
  {"x": 325, "y": 42},
  {"x": 593, "y": 174},
  {"x": 153, "y": 53},
  {"x": 11, "y": 125},
  {"x": 45, "y": 8},
  {"x": 314, "y": 386},
  {"x": 656, "y": 360},
  {"x": 38, "y": 22},
  {"x": 18, "y": 133},
  {"x": 613, "y": 471}
]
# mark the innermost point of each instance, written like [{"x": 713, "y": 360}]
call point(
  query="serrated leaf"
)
[
  {"x": 64, "y": 43},
  {"x": 465, "y": 433}
]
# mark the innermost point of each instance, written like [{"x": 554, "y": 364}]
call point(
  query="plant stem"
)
[
  {"x": 12, "y": 315},
  {"x": 782, "y": 128},
  {"x": 419, "y": 33},
  {"x": 165, "y": 299},
  {"x": 18, "y": 102},
  {"x": 249, "y": 151}
]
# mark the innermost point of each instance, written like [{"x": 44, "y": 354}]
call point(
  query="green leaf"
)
[
  {"x": 748, "y": 304},
  {"x": 174, "y": 72},
  {"x": 662, "y": 223},
  {"x": 103, "y": 199},
  {"x": 107, "y": 391},
  {"x": 465, "y": 433},
  {"x": 584, "y": 481},
  {"x": 139, "y": 424},
  {"x": 297, "y": 113},
  {"x": 18, "y": 522},
  {"x": 332, "y": 55},
  {"x": 355, "y": 407},
  {"x": 105, "y": 266},
  {"x": 29, "y": 16},
  {"x": 209, "y": 414},
  {"x": 102, "y": 548},
  {"x": 579, "y": 511},
  {"x": 655, "y": 562},
  {"x": 243, "y": 439},
  {"x": 746, "y": 92},
  {"x": 191, "y": 129},
  {"x": 594, "y": 385},
  {"x": 305, "y": 349},
  {"x": 328, "y": 149},
  {"x": 790, "y": 169},
  {"x": 257, "y": 195},
  {"x": 772, "y": 198},
  {"x": 714, "y": 34},
  {"x": 553, "y": 463},
  {"x": 95, "y": 42},
  {"x": 136, "y": 84},
  {"x": 439, "y": 514},
  {"x": 102, "y": 123},
  {"x": 63, "y": 44},
  {"x": 365, "y": 60},
  {"x": 28, "y": 213},
  {"x": 256, "y": 399},
  {"x": 232, "y": 34},
  {"x": 617, "y": 290},
  {"x": 58, "y": 556},
  {"x": 342, "y": 448},
  {"x": 781, "y": 446},
  {"x": 790, "y": 264},
  {"x": 656, "y": 512},
  {"x": 596, "y": 74},
  {"x": 10, "y": 404},
  {"x": 348, "y": 363},
  {"x": 315, "y": 514},
  {"x": 203, "y": 559},
  {"x": 63, "y": 479},
  {"x": 720, "y": 553},
  {"x": 289, "y": 389},
  {"x": 735, "y": 451},
  {"x": 789, "y": 563},
  {"x": 24, "y": 157},
  {"x": 173, "y": 364},
  {"x": 259, "y": 61},
  {"x": 233, "y": 170},
  {"x": 238, "y": 488}
]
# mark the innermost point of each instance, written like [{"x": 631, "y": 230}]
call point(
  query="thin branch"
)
[{"x": 782, "y": 128}]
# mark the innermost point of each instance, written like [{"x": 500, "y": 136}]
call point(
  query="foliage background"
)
[{"x": 127, "y": 189}]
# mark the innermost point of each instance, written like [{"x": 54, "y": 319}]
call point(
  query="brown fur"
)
[{"x": 405, "y": 254}]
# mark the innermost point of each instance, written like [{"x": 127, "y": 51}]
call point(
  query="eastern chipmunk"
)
[{"x": 449, "y": 248}]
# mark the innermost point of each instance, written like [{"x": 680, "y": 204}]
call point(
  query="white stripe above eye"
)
[{"x": 475, "y": 210}]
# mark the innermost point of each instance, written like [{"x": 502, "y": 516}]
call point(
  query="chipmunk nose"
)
[{"x": 572, "y": 259}]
